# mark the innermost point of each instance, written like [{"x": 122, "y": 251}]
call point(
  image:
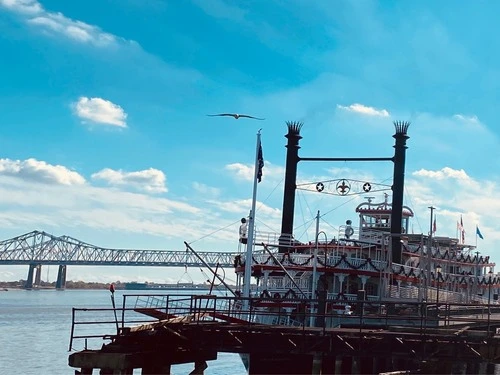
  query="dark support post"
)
[
  {"x": 292, "y": 159},
  {"x": 366, "y": 365},
  {"x": 29, "y": 280},
  {"x": 346, "y": 365},
  {"x": 61, "y": 277},
  {"x": 398, "y": 187},
  {"x": 490, "y": 368},
  {"x": 489, "y": 300},
  {"x": 154, "y": 369},
  {"x": 320, "y": 315},
  {"x": 271, "y": 363}
]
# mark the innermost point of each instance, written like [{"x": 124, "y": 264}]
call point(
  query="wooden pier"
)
[{"x": 463, "y": 344}]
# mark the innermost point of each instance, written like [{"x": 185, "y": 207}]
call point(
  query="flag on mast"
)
[
  {"x": 259, "y": 164},
  {"x": 478, "y": 233},
  {"x": 260, "y": 158},
  {"x": 434, "y": 225}
]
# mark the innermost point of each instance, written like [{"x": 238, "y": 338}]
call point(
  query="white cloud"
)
[
  {"x": 100, "y": 111},
  {"x": 58, "y": 24},
  {"x": 22, "y": 6},
  {"x": 244, "y": 205},
  {"x": 46, "y": 207},
  {"x": 242, "y": 171},
  {"x": 364, "y": 110},
  {"x": 40, "y": 171},
  {"x": 150, "y": 180},
  {"x": 444, "y": 173},
  {"x": 455, "y": 194},
  {"x": 246, "y": 172}
]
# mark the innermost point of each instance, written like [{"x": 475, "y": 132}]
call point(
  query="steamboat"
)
[
  {"x": 356, "y": 266},
  {"x": 376, "y": 261},
  {"x": 417, "y": 299}
]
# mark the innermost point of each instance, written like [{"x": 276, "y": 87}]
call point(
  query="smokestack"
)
[
  {"x": 398, "y": 185},
  {"x": 292, "y": 159}
]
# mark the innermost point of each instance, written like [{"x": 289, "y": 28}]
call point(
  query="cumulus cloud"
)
[
  {"x": 58, "y": 24},
  {"x": 22, "y": 6},
  {"x": 246, "y": 172},
  {"x": 71, "y": 209},
  {"x": 40, "y": 171},
  {"x": 364, "y": 110},
  {"x": 100, "y": 111},
  {"x": 242, "y": 171},
  {"x": 244, "y": 205},
  {"x": 150, "y": 180},
  {"x": 444, "y": 173}
]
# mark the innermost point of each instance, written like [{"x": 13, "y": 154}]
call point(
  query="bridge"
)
[{"x": 37, "y": 248}]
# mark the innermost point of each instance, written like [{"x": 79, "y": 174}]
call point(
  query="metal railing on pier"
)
[{"x": 141, "y": 312}]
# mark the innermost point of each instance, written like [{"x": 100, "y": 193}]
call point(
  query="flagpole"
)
[{"x": 251, "y": 224}]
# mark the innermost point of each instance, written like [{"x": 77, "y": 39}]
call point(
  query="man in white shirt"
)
[{"x": 243, "y": 231}]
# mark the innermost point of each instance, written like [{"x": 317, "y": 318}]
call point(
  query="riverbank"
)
[
  {"x": 6, "y": 285},
  {"x": 69, "y": 285}
]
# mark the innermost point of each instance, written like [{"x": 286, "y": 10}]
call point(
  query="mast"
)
[
  {"x": 429, "y": 256},
  {"x": 251, "y": 224},
  {"x": 315, "y": 268}
]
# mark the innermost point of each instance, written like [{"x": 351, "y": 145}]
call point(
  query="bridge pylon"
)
[
  {"x": 34, "y": 267},
  {"x": 61, "y": 277}
]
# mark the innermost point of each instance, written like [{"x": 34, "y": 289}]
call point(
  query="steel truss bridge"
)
[{"x": 40, "y": 248}]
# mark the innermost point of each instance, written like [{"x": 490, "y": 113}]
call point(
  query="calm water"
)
[{"x": 35, "y": 329}]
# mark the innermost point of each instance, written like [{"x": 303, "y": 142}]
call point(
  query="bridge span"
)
[{"x": 40, "y": 248}]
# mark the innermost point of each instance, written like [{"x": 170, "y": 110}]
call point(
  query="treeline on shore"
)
[{"x": 69, "y": 285}]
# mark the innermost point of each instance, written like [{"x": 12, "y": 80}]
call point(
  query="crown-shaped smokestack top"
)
[
  {"x": 294, "y": 127},
  {"x": 401, "y": 127}
]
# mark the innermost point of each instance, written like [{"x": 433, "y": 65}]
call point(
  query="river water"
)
[{"x": 35, "y": 330}]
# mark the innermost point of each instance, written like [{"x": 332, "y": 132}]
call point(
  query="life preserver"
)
[{"x": 276, "y": 295}]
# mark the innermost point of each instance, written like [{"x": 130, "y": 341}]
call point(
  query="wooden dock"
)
[{"x": 466, "y": 344}]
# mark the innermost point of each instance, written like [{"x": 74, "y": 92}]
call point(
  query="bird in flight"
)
[{"x": 237, "y": 116}]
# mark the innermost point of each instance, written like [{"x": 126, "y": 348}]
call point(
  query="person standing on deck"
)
[{"x": 243, "y": 231}]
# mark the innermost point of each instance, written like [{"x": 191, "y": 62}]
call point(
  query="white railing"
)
[
  {"x": 282, "y": 285},
  {"x": 307, "y": 261},
  {"x": 415, "y": 293},
  {"x": 273, "y": 239}
]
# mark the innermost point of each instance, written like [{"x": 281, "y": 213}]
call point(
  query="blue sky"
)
[{"x": 104, "y": 134}]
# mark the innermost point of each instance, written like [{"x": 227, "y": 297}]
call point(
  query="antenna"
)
[{"x": 369, "y": 199}]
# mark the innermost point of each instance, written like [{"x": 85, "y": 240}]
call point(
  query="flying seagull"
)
[{"x": 237, "y": 116}]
